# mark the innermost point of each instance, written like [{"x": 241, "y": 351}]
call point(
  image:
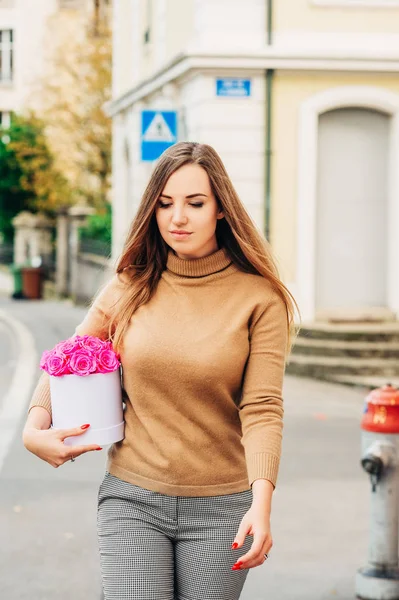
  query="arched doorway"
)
[
  {"x": 351, "y": 212},
  {"x": 377, "y": 110}
]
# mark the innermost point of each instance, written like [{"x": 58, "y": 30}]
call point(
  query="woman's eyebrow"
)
[{"x": 190, "y": 196}]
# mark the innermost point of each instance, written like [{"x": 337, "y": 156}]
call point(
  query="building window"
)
[{"x": 6, "y": 55}]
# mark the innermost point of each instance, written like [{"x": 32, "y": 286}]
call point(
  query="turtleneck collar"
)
[{"x": 198, "y": 267}]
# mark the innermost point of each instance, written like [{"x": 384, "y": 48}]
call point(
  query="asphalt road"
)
[
  {"x": 47, "y": 515},
  {"x": 320, "y": 506},
  {"x": 8, "y": 358}
]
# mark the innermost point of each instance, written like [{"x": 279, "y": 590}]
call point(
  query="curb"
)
[{"x": 16, "y": 400}]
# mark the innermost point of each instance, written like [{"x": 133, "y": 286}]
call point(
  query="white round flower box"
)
[{"x": 95, "y": 399}]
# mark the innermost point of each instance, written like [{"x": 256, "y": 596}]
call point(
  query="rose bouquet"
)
[{"x": 85, "y": 387}]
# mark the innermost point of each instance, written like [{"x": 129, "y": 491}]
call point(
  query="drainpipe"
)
[{"x": 268, "y": 119}]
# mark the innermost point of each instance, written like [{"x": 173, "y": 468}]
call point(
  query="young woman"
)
[{"x": 203, "y": 325}]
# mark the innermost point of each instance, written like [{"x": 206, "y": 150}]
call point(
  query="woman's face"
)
[{"x": 188, "y": 204}]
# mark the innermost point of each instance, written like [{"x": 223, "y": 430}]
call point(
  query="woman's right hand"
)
[{"x": 48, "y": 444}]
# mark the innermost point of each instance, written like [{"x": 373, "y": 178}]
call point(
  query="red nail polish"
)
[
  {"x": 238, "y": 563},
  {"x": 99, "y": 448},
  {"x": 235, "y": 568},
  {"x": 234, "y": 546},
  {"x": 85, "y": 426}
]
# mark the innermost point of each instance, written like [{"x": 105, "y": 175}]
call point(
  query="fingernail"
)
[
  {"x": 235, "y": 568},
  {"x": 99, "y": 448},
  {"x": 238, "y": 563},
  {"x": 234, "y": 546},
  {"x": 85, "y": 426}
]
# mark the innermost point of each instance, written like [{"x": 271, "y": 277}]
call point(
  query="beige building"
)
[{"x": 313, "y": 148}]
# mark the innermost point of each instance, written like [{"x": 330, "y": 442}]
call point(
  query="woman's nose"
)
[{"x": 179, "y": 217}]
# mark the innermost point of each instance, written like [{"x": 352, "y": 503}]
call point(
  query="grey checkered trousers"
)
[{"x": 159, "y": 547}]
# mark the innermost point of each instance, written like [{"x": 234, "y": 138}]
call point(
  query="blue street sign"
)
[
  {"x": 234, "y": 87},
  {"x": 158, "y": 132}
]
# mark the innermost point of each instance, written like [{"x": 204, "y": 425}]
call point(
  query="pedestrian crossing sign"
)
[{"x": 158, "y": 132}]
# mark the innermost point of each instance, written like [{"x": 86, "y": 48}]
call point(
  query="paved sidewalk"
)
[
  {"x": 6, "y": 281},
  {"x": 320, "y": 506}
]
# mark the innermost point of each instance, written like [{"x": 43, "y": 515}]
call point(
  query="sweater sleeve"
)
[
  {"x": 95, "y": 323},
  {"x": 261, "y": 405}
]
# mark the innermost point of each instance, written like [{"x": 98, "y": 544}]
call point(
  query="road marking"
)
[{"x": 16, "y": 400}]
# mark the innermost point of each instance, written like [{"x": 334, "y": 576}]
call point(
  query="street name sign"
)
[{"x": 233, "y": 87}]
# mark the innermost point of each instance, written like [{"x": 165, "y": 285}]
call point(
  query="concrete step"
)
[
  {"x": 355, "y": 353},
  {"x": 365, "y": 381},
  {"x": 320, "y": 366},
  {"x": 362, "y": 332},
  {"x": 343, "y": 348}
]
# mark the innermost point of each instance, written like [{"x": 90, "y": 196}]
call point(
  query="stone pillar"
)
[
  {"x": 77, "y": 218},
  {"x": 32, "y": 237},
  {"x": 41, "y": 242},
  {"x": 61, "y": 274},
  {"x": 23, "y": 224}
]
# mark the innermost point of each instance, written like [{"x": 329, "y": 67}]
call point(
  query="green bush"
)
[{"x": 99, "y": 226}]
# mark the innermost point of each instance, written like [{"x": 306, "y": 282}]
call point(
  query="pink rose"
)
[
  {"x": 107, "y": 361},
  {"x": 94, "y": 344},
  {"x": 57, "y": 365},
  {"x": 43, "y": 361},
  {"x": 67, "y": 347},
  {"x": 80, "y": 355},
  {"x": 108, "y": 346},
  {"x": 82, "y": 363}
]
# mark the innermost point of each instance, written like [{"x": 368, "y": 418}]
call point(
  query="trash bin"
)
[
  {"x": 32, "y": 282},
  {"x": 16, "y": 272}
]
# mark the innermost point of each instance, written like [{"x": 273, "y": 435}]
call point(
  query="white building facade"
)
[
  {"x": 323, "y": 77},
  {"x": 156, "y": 35}
]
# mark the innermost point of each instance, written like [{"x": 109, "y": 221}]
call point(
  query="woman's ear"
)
[{"x": 220, "y": 214}]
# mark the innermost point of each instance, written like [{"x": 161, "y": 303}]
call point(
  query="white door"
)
[{"x": 352, "y": 211}]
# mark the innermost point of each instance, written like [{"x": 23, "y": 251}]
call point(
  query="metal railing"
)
[
  {"x": 6, "y": 253},
  {"x": 93, "y": 246}
]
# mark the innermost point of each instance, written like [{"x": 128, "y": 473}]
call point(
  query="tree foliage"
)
[
  {"x": 74, "y": 95},
  {"x": 99, "y": 226},
  {"x": 40, "y": 179},
  {"x": 29, "y": 179},
  {"x": 65, "y": 156}
]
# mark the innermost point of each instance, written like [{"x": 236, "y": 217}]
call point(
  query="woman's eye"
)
[{"x": 197, "y": 205}]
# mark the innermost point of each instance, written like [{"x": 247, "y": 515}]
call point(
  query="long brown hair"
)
[{"x": 145, "y": 252}]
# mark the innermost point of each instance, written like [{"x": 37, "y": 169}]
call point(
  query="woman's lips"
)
[{"x": 180, "y": 236}]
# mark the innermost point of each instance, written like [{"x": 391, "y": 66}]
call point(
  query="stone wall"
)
[{"x": 93, "y": 272}]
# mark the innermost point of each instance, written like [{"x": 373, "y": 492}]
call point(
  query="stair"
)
[
  {"x": 357, "y": 354},
  {"x": 366, "y": 381}
]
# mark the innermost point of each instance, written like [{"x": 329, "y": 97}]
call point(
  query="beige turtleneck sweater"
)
[{"x": 202, "y": 367}]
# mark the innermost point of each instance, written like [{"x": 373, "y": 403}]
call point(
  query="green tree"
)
[
  {"x": 13, "y": 198},
  {"x": 96, "y": 236},
  {"x": 28, "y": 178},
  {"x": 99, "y": 226}
]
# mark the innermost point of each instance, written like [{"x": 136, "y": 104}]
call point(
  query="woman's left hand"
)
[{"x": 256, "y": 522}]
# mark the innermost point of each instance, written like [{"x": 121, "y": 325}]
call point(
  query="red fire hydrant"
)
[{"x": 379, "y": 580}]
